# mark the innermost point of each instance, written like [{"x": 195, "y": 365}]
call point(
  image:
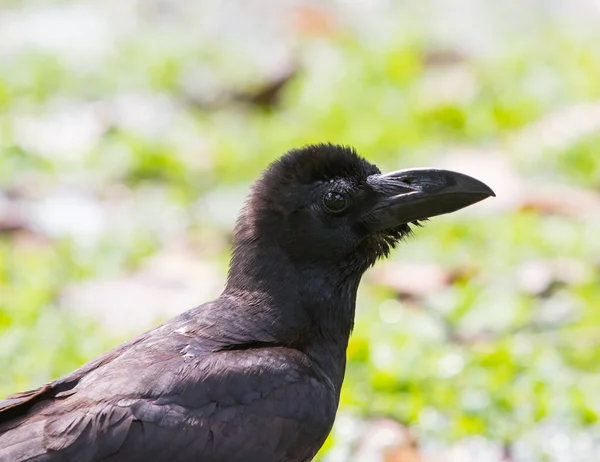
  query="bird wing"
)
[
  {"x": 164, "y": 397},
  {"x": 23, "y": 415}
]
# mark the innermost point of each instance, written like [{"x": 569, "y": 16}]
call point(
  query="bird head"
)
[{"x": 324, "y": 205}]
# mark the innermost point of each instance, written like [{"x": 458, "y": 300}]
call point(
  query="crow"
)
[{"x": 255, "y": 375}]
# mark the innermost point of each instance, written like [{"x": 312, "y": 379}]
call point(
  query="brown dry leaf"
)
[
  {"x": 558, "y": 130},
  {"x": 447, "y": 85},
  {"x": 444, "y": 57},
  {"x": 267, "y": 95},
  {"x": 170, "y": 282},
  {"x": 514, "y": 192},
  {"x": 412, "y": 280},
  {"x": 10, "y": 224},
  {"x": 561, "y": 200},
  {"x": 386, "y": 440},
  {"x": 537, "y": 277},
  {"x": 310, "y": 20},
  {"x": 12, "y": 216},
  {"x": 28, "y": 239}
]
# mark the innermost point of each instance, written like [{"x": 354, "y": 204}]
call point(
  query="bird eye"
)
[{"x": 335, "y": 202}]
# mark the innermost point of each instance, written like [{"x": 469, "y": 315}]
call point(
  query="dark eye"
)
[{"x": 335, "y": 202}]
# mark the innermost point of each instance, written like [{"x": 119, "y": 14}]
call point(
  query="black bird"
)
[{"x": 255, "y": 375}]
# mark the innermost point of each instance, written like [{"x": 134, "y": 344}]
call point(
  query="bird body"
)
[
  {"x": 256, "y": 374},
  {"x": 168, "y": 396}
]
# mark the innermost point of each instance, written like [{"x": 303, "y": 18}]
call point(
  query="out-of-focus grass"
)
[
  {"x": 38, "y": 340},
  {"x": 479, "y": 364},
  {"x": 487, "y": 362}
]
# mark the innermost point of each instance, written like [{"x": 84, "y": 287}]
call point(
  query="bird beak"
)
[{"x": 417, "y": 194}]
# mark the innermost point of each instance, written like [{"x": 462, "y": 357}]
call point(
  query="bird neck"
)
[
  {"x": 302, "y": 306},
  {"x": 305, "y": 304}
]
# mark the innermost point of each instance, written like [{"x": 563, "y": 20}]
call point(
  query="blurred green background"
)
[{"x": 131, "y": 130}]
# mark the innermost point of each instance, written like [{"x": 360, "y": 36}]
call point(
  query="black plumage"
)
[{"x": 255, "y": 375}]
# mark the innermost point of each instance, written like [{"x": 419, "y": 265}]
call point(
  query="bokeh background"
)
[{"x": 130, "y": 131}]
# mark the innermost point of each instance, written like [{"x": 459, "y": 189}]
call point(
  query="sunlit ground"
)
[{"x": 131, "y": 130}]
